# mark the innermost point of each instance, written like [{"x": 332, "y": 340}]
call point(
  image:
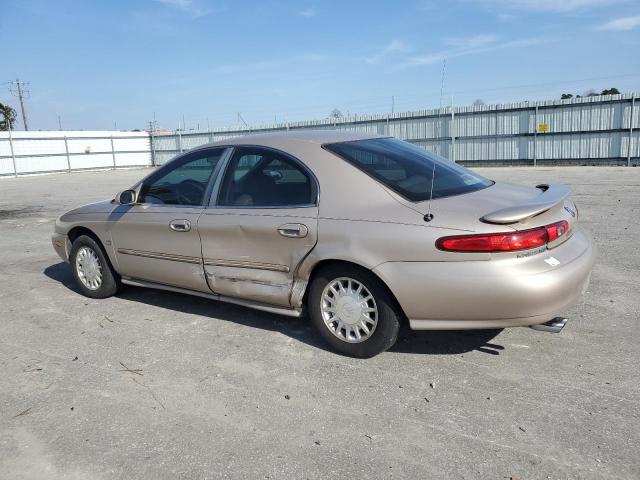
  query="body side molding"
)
[
  {"x": 160, "y": 256},
  {"x": 244, "y": 264}
]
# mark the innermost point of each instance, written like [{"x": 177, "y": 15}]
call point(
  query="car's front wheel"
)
[
  {"x": 353, "y": 311},
  {"x": 91, "y": 269}
]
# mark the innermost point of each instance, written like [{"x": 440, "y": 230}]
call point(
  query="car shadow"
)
[
  {"x": 447, "y": 342},
  {"x": 61, "y": 272},
  {"x": 409, "y": 341}
]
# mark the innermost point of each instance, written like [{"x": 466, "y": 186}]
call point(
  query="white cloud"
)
[
  {"x": 624, "y": 23},
  {"x": 435, "y": 57},
  {"x": 547, "y": 5},
  {"x": 475, "y": 41},
  {"x": 312, "y": 57},
  {"x": 250, "y": 67},
  {"x": 307, "y": 12},
  {"x": 270, "y": 64},
  {"x": 194, "y": 8},
  {"x": 394, "y": 46}
]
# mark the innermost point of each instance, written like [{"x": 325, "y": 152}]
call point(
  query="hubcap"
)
[
  {"x": 89, "y": 268},
  {"x": 349, "y": 310}
]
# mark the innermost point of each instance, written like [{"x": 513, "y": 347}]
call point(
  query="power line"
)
[
  {"x": 410, "y": 97},
  {"x": 18, "y": 88},
  {"x": 407, "y": 102}
]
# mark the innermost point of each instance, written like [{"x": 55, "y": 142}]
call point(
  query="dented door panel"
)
[{"x": 254, "y": 253}]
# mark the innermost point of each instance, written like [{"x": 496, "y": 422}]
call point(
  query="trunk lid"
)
[
  {"x": 551, "y": 196},
  {"x": 501, "y": 207}
]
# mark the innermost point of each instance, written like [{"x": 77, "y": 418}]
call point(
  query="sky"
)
[{"x": 219, "y": 63}]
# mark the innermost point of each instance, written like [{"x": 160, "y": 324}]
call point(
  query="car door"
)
[
  {"x": 156, "y": 239},
  {"x": 261, "y": 223}
]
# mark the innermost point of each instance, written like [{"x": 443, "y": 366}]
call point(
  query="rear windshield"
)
[{"x": 407, "y": 169}]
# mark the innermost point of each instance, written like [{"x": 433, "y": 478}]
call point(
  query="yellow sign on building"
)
[{"x": 543, "y": 127}]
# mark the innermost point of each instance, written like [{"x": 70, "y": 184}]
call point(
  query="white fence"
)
[
  {"x": 51, "y": 151},
  {"x": 600, "y": 130}
]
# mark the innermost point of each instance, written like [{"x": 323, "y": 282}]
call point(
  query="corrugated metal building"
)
[{"x": 584, "y": 131}]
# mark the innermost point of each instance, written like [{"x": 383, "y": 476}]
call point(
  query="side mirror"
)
[{"x": 126, "y": 197}]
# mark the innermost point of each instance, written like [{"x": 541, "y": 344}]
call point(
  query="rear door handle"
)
[
  {"x": 293, "y": 230},
  {"x": 180, "y": 225}
]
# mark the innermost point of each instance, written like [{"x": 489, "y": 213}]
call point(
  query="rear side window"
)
[
  {"x": 259, "y": 178},
  {"x": 407, "y": 169}
]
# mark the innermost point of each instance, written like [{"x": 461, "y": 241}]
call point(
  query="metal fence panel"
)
[
  {"x": 42, "y": 163},
  {"x": 36, "y": 152},
  {"x": 591, "y": 130},
  {"x": 6, "y": 166}
]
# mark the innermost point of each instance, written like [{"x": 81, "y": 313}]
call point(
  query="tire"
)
[
  {"x": 321, "y": 300},
  {"x": 87, "y": 252}
]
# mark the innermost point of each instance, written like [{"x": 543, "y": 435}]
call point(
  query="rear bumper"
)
[
  {"x": 482, "y": 324},
  {"x": 497, "y": 293}
]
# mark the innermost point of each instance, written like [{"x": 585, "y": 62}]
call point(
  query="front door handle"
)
[
  {"x": 293, "y": 230},
  {"x": 180, "y": 225}
]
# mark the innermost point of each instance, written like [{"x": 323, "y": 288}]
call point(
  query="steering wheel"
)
[{"x": 189, "y": 192}]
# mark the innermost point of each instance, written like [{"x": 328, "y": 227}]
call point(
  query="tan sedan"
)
[{"x": 362, "y": 232}]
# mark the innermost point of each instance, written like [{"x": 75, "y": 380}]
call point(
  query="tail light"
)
[
  {"x": 504, "y": 242},
  {"x": 556, "y": 230}
]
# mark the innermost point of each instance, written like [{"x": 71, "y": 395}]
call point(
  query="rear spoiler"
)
[{"x": 551, "y": 195}]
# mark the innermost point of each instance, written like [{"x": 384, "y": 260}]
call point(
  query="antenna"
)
[{"x": 429, "y": 216}]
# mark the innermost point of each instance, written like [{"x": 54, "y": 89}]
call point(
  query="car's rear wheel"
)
[
  {"x": 91, "y": 269},
  {"x": 353, "y": 311}
]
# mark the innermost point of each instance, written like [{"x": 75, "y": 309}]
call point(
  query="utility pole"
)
[
  {"x": 393, "y": 104},
  {"x": 19, "y": 90},
  {"x": 241, "y": 119},
  {"x": 59, "y": 123}
]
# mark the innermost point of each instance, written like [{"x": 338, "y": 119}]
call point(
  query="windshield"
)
[{"x": 407, "y": 169}]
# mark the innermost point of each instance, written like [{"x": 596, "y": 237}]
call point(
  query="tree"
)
[
  {"x": 610, "y": 91},
  {"x": 8, "y": 119},
  {"x": 335, "y": 114},
  {"x": 591, "y": 93},
  {"x": 478, "y": 103}
]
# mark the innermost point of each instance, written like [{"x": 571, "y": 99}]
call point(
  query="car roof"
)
[{"x": 283, "y": 139}]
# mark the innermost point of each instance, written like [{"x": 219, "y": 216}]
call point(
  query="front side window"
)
[
  {"x": 185, "y": 183},
  {"x": 257, "y": 177},
  {"x": 408, "y": 169}
]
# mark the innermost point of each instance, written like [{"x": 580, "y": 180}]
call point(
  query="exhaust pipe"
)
[{"x": 555, "y": 325}]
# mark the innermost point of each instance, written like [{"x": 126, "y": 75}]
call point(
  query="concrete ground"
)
[{"x": 159, "y": 385}]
